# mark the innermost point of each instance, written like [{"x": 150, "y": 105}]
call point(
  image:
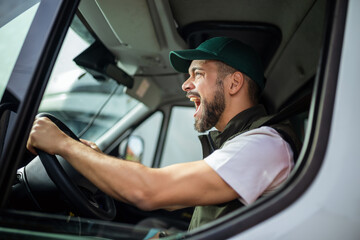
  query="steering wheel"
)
[{"x": 87, "y": 200}]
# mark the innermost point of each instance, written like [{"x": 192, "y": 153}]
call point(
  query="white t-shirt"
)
[{"x": 253, "y": 163}]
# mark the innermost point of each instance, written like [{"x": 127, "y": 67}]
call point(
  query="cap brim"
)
[{"x": 181, "y": 60}]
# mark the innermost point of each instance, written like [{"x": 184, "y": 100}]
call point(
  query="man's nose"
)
[{"x": 188, "y": 85}]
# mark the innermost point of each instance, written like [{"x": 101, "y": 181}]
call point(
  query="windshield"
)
[
  {"x": 14, "y": 25},
  {"x": 89, "y": 107}
]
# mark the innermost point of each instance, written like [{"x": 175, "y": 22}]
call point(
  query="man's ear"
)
[{"x": 236, "y": 83}]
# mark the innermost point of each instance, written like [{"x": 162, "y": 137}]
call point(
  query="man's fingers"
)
[
  {"x": 29, "y": 143},
  {"x": 91, "y": 145},
  {"x": 41, "y": 128},
  {"x": 31, "y": 148},
  {"x": 86, "y": 142}
]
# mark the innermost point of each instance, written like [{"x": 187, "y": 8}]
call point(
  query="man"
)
[{"x": 225, "y": 80}]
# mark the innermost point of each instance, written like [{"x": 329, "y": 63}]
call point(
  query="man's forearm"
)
[
  {"x": 147, "y": 188},
  {"x": 120, "y": 179}
]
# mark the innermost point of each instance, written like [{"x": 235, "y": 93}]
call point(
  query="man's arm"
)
[{"x": 185, "y": 184}]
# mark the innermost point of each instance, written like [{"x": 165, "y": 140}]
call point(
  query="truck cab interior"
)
[{"x": 108, "y": 78}]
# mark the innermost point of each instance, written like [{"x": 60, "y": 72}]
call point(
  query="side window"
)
[
  {"x": 148, "y": 134},
  {"x": 182, "y": 144}
]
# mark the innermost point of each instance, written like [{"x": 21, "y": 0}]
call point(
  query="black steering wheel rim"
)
[{"x": 83, "y": 205}]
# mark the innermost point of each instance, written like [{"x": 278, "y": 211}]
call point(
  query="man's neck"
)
[{"x": 229, "y": 114}]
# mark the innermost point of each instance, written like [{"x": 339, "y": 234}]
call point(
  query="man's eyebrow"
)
[{"x": 193, "y": 69}]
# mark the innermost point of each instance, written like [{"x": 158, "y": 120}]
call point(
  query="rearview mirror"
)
[{"x": 101, "y": 63}]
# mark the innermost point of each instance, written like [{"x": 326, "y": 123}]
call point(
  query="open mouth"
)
[{"x": 197, "y": 103}]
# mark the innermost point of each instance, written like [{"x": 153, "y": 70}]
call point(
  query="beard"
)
[{"x": 211, "y": 110}]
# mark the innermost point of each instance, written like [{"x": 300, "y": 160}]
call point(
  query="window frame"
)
[
  {"x": 166, "y": 109},
  {"x": 172, "y": 109},
  {"x": 37, "y": 56}
]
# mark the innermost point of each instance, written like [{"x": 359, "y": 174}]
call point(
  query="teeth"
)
[{"x": 193, "y": 99}]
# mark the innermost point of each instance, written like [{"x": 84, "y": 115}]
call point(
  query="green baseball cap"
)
[{"x": 227, "y": 50}]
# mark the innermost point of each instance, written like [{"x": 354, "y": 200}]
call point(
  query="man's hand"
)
[
  {"x": 91, "y": 145},
  {"x": 45, "y": 135}
]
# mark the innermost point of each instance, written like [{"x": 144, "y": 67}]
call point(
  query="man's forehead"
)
[{"x": 201, "y": 64}]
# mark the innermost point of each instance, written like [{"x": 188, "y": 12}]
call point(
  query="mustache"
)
[{"x": 192, "y": 93}]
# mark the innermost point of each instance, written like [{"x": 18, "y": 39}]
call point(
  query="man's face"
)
[{"x": 207, "y": 92}]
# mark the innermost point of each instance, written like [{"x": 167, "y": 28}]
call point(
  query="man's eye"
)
[{"x": 198, "y": 74}]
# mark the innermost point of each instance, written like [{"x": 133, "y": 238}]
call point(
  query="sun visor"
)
[{"x": 146, "y": 91}]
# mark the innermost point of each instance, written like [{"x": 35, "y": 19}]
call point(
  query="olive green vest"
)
[{"x": 249, "y": 119}]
